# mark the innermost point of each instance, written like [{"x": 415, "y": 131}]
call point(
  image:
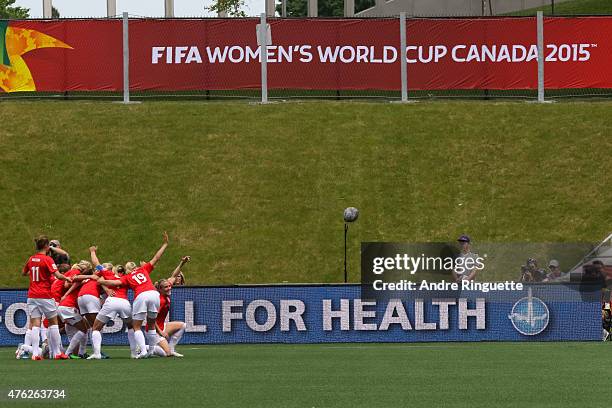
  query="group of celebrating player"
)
[{"x": 86, "y": 295}]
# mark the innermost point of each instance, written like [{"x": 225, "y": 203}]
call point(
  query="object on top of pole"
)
[
  {"x": 47, "y": 8},
  {"x": 111, "y": 8},
  {"x": 169, "y": 8}
]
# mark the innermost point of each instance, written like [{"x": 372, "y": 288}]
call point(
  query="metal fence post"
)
[
  {"x": 540, "y": 27},
  {"x": 402, "y": 55},
  {"x": 47, "y": 8},
  {"x": 126, "y": 59},
  {"x": 263, "y": 34}
]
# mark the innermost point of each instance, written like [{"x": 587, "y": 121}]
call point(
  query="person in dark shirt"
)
[
  {"x": 59, "y": 255},
  {"x": 531, "y": 273}
]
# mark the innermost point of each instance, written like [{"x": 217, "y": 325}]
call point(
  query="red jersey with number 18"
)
[
  {"x": 40, "y": 268},
  {"x": 139, "y": 280}
]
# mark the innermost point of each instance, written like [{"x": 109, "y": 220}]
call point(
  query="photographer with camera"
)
[{"x": 531, "y": 273}]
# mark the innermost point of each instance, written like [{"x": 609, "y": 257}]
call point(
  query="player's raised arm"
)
[
  {"x": 177, "y": 270},
  {"x": 160, "y": 251},
  {"x": 94, "y": 257}
]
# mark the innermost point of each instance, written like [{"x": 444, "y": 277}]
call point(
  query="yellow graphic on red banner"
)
[{"x": 16, "y": 76}]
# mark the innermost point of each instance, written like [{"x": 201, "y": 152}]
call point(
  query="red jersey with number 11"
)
[
  {"x": 139, "y": 280},
  {"x": 40, "y": 268}
]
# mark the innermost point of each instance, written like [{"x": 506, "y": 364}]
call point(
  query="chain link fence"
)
[{"x": 307, "y": 58}]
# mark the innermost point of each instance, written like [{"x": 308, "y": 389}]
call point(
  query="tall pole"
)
[
  {"x": 345, "y": 270},
  {"x": 263, "y": 36},
  {"x": 402, "y": 53},
  {"x": 126, "y": 59},
  {"x": 540, "y": 28}
]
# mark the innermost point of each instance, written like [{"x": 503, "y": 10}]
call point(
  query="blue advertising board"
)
[{"x": 336, "y": 313}]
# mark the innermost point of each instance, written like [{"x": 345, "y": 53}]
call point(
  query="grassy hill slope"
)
[{"x": 255, "y": 193}]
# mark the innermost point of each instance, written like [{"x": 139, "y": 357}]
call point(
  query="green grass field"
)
[
  {"x": 336, "y": 375},
  {"x": 256, "y": 193},
  {"x": 573, "y": 7}
]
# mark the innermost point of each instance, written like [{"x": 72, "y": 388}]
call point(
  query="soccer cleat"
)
[
  {"x": 175, "y": 354},
  {"x": 25, "y": 356},
  {"x": 74, "y": 356},
  {"x": 104, "y": 356},
  {"x": 37, "y": 358},
  {"x": 95, "y": 357},
  {"x": 142, "y": 355},
  {"x": 84, "y": 355},
  {"x": 19, "y": 351},
  {"x": 45, "y": 349},
  {"x": 61, "y": 356}
]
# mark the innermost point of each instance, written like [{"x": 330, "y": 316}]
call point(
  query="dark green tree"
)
[
  {"x": 326, "y": 8},
  {"x": 7, "y": 10},
  {"x": 55, "y": 13},
  {"x": 233, "y": 8}
]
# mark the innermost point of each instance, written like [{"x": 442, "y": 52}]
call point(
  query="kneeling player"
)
[{"x": 169, "y": 333}]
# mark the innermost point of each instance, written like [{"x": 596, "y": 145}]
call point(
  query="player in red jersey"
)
[
  {"x": 116, "y": 304},
  {"x": 146, "y": 299},
  {"x": 90, "y": 303},
  {"x": 169, "y": 333},
  {"x": 68, "y": 306},
  {"x": 24, "y": 350},
  {"x": 40, "y": 268}
]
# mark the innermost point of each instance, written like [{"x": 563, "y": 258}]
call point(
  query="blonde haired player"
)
[
  {"x": 76, "y": 327},
  {"x": 116, "y": 304},
  {"x": 39, "y": 269},
  {"x": 146, "y": 299}
]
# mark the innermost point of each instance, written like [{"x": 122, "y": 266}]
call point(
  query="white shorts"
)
[
  {"x": 69, "y": 315},
  {"x": 146, "y": 305},
  {"x": 113, "y": 307},
  {"x": 89, "y": 304},
  {"x": 42, "y": 307}
]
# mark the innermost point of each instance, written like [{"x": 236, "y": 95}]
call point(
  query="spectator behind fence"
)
[
  {"x": 531, "y": 273},
  {"x": 466, "y": 253},
  {"x": 555, "y": 272}
]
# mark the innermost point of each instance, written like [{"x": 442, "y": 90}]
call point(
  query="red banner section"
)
[{"x": 323, "y": 54}]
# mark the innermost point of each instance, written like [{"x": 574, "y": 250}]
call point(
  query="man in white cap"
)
[
  {"x": 555, "y": 272},
  {"x": 463, "y": 273}
]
